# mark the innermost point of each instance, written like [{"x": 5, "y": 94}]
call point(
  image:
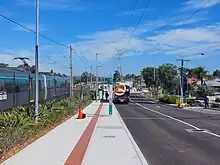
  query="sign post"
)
[{"x": 110, "y": 96}]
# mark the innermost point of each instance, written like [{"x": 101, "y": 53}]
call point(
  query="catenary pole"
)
[{"x": 36, "y": 63}]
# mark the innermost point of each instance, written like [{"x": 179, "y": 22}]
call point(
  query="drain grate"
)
[
  {"x": 110, "y": 127},
  {"x": 197, "y": 130},
  {"x": 109, "y": 136}
]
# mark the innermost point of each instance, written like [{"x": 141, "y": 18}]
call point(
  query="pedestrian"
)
[
  {"x": 206, "y": 100},
  {"x": 106, "y": 95}
]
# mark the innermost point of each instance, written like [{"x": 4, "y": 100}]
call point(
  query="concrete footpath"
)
[{"x": 100, "y": 139}]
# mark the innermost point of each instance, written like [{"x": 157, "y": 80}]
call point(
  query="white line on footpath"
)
[{"x": 210, "y": 133}]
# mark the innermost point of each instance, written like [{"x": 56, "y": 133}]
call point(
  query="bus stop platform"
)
[{"x": 99, "y": 139}]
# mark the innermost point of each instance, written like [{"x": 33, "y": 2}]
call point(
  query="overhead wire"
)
[
  {"x": 187, "y": 19},
  {"x": 139, "y": 21},
  {"x": 132, "y": 10},
  {"x": 41, "y": 35},
  {"x": 30, "y": 30}
]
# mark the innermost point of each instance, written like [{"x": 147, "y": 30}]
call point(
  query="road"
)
[{"x": 172, "y": 136}]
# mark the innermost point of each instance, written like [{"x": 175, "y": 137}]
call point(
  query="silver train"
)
[{"x": 17, "y": 87}]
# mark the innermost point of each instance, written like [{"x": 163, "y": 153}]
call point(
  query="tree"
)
[
  {"x": 84, "y": 77},
  {"x": 200, "y": 73},
  {"x": 168, "y": 78},
  {"x": 116, "y": 76},
  {"x": 216, "y": 73},
  {"x": 127, "y": 77},
  {"x": 64, "y": 75},
  {"x": 148, "y": 75},
  {"x": 3, "y": 65},
  {"x": 51, "y": 71},
  {"x": 32, "y": 69}
]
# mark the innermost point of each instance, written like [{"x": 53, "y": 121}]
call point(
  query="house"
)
[{"x": 214, "y": 83}]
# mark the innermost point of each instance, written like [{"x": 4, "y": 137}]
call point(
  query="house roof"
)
[{"x": 213, "y": 83}]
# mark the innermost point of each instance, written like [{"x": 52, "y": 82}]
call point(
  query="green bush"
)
[
  {"x": 217, "y": 100},
  {"x": 170, "y": 99},
  {"x": 17, "y": 126},
  {"x": 215, "y": 105},
  {"x": 191, "y": 101}
]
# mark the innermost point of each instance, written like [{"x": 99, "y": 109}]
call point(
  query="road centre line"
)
[{"x": 210, "y": 133}]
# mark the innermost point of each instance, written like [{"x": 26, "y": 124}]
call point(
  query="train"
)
[{"x": 17, "y": 87}]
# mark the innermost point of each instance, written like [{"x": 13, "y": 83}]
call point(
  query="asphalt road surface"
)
[{"x": 172, "y": 136}]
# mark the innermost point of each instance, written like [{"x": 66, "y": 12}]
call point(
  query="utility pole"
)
[
  {"x": 91, "y": 76},
  {"x": 119, "y": 63},
  {"x": 36, "y": 63},
  {"x": 97, "y": 76},
  {"x": 71, "y": 71},
  {"x": 154, "y": 81},
  {"x": 181, "y": 80}
]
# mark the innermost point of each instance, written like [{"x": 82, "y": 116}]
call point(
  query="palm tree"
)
[{"x": 200, "y": 72}]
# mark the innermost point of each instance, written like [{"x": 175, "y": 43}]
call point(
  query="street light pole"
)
[
  {"x": 36, "y": 63},
  {"x": 71, "y": 71},
  {"x": 91, "y": 77},
  {"x": 97, "y": 76}
]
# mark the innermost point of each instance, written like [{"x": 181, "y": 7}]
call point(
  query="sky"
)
[{"x": 144, "y": 33}]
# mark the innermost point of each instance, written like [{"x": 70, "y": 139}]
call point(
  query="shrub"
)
[
  {"x": 172, "y": 99},
  {"x": 191, "y": 101},
  {"x": 215, "y": 105},
  {"x": 16, "y": 126},
  {"x": 217, "y": 100}
]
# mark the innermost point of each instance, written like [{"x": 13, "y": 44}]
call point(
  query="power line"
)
[
  {"x": 193, "y": 14},
  {"x": 190, "y": 17},
  {"x": 142, "y": 16},
  {"x": 25, "y": 27},
  {"x": 139, "y": 21},
  {"x": 133, "y": 9}
]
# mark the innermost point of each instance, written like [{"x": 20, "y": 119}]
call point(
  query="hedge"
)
[{"x": 169, "y": 99}]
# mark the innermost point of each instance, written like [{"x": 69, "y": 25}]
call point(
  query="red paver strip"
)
[{"x": 77, "y": 155}]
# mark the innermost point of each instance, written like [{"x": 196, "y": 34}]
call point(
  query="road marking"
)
[
  {"x": 144, "y": 118},
  {"x": 77, "y": 155},
  {"x": 210, "y": 133},
  {"x": 158, "y": 106}
]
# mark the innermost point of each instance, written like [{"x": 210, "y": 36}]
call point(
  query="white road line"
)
[
  {"x": 144, "y": 118},
  {"x": 210, "y": 133}
]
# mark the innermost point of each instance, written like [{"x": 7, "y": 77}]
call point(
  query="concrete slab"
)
[
  {"x": 112, "y": 143},
  {"x": 54, "y": 147}
]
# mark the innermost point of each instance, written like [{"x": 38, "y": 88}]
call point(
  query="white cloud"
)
[
  {"x": 195, "y": 4},
  {"x": 188, "y": 42},
  {"x": 44, "y": 65},
  {"x": 180, "y": 41}
]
